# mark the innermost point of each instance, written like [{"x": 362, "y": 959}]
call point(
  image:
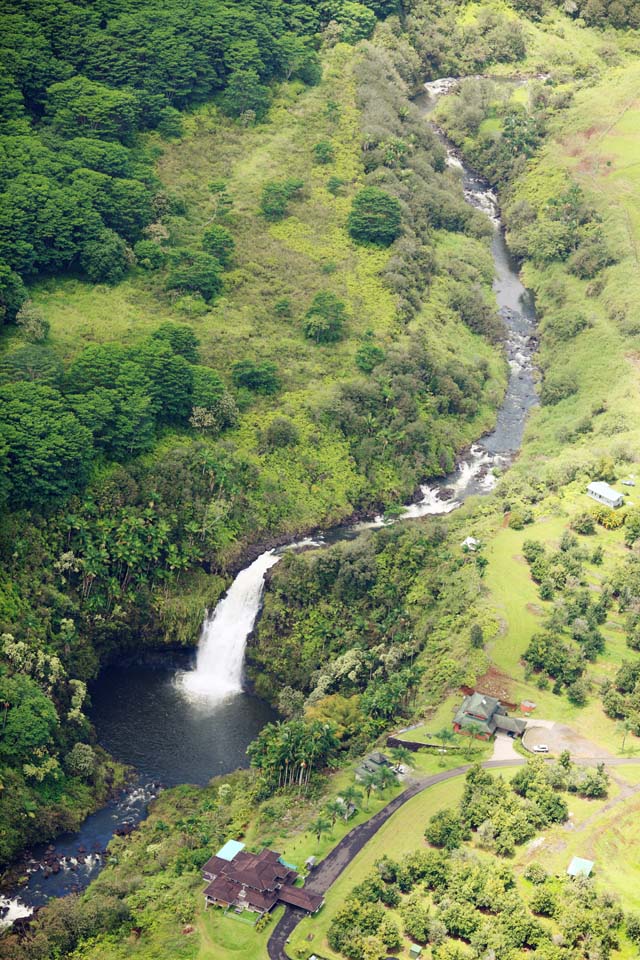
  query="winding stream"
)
[{"x": 185, "y": 722}]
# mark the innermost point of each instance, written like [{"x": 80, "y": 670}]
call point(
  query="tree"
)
[
  {"x": 29, "y": 722},
  {"x": 325, "y": 318},
  {"x": 369, "y": 782},
  {"x": 624, "y": 727},
  {"x": 246, "y": 94},
  {"x": 385, "y": 777},
  {"x": 258, "y": 376},
  {"x": 149, "y": 254},
  {"x": 48, "y": 449},
  {"x": 476, "y": 636},
  {"x": 219, "y": 243},
  {"x": 402, "y": 756},
  {"x": 180, "y": 338},
  {"x": 291, "y": 702},
  {"x": 281, "y": 432},
  {"x": 375, "y": 217},
  {"x": 199, "y": 273},
  {"x": 211, "y": 399},
  {"x": 334, "y": 809},
  {"x": 13, "y": 293},
  {"x": 369, "y": 356},
  {"x": 319, "y": 826},
  {"x": 275, "y": 197},
  {"x": 80, "y": 105},
  {"x": 104, "y": 259},
  {"x": 445, "y": 735},
  {"x": 323, "y": 152},
  {"x": 445, "y": 830},
  {"x": 81, "y": 760}
]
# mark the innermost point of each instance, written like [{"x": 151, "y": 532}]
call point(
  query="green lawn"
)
[
  {"x": 605, "y": 831},
  {"x": 401, "y": 833},
  {"x": 227, "y": 938}
]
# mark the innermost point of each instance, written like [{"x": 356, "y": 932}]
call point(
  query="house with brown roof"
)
[{"x": 241, "y": 880}]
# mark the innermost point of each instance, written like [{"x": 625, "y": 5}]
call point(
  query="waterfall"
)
[{"x": 218, "y": 671}]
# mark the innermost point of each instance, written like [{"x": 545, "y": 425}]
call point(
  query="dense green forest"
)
[
  {"x": 147, "y": 437},
  {"x": 243, "y": 297}
]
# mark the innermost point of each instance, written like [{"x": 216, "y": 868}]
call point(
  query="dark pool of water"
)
[{"x": 144, "y": 718}]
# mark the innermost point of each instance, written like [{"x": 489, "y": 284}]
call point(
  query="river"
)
[{"x": 180, "y": 721}]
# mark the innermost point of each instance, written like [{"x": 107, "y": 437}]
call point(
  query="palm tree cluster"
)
[{"x": 287, "y": 753}]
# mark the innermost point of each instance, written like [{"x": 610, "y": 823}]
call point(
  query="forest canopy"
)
[{"x": 80, "y": 81}]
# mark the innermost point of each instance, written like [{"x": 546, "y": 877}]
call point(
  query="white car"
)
[{"x": 541, "y": 748}]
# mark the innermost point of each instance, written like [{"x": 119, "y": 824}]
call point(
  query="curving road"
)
[{"x": 328, "y": 871}]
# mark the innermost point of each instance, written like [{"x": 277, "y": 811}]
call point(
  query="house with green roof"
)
[{"x": 482, "y": 715}]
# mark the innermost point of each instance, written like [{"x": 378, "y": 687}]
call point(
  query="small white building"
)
[{"x": 601, "y": 492}]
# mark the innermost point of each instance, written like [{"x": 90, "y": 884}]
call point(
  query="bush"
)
[
  {"x": 323, "y": 152},
  {"x": 578, "y": 693},
  {"x": 633, "y": 927},
  {"x": 375, "y": 217},
  {"x": 589, "y": 259},
  {"x": 218, "y": 242},
  {"x": 520, "y": 518},
  {"x": 535, "y": 873},
  {"x": 276, "y": 195},
  {"x": 532, "y": 549},
  {"x": 260, "y": 377},
  {"x": 632, "y": 527},
  {"x": 557, "y": 387},
  {"x": 281, "y": 432},
  {"x": 544, "y": 902},
  {"x": 584, "y": 524}
]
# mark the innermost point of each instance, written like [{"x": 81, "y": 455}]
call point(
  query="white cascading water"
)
[
  {"x": 12, "y": 909},
  {"x": 218, "y": 672}
]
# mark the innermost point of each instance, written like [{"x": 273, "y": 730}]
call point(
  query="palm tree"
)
[
  {"x": 624, "y": 727},
  {"x": 334, "y": 809},
  {"x": 473, "y": 730},
  {"x": 385, "y": 777},
  {"x": 351, "y": 795},
  {"x": 319, "y": 826},
  {"x": 446, "y": 735},
  {"x": 402, "y": 756},
  {"x": 369, "y": 781}
]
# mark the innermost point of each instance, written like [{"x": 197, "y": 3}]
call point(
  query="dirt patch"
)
[
  {"x": 560, "y": 737},
  {"x": 535, "y": 609},
  {"x": 634, "y": 359},
  {"x": 494, "y": 683}
]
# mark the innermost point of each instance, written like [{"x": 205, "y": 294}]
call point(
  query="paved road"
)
[{"x": 328, "y": 871}]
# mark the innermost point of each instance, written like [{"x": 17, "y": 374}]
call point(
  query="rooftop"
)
[
  {"x": 580, "y": 867},
  {"x": 230, "y": 849}
]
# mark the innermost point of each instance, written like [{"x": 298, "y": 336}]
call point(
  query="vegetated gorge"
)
[
  {"x": 184, "y": 724},
  {"x": 259, "y": 315}
]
